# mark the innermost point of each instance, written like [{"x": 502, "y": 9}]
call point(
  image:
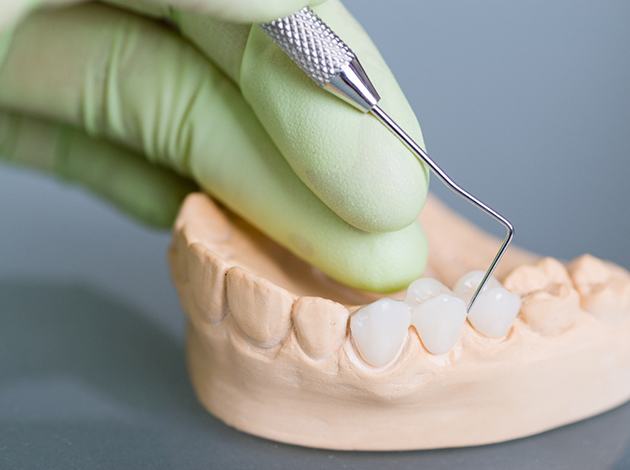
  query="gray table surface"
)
[{"x": 91, "y": 333}]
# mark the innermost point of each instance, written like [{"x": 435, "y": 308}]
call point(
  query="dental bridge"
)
[{"x": 315, "y": 48}]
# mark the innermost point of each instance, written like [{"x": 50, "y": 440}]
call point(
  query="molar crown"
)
[
  {"x": 466, "y": 285},
  {"x": 604, "y": 288},
  {"x": 495, "y": 309},
  {"x": 380, "y": 329},
  {"x": 551, "y": 305},
  {"x": 437, "y": 314}
]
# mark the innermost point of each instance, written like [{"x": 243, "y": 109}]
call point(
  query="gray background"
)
[{"x": 525, "y": 102}]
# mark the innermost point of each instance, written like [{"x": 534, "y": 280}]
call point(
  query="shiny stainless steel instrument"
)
[{"x": 330, "y": 63}]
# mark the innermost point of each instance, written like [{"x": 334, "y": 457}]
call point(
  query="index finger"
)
[{"x": 353, "y": 164}]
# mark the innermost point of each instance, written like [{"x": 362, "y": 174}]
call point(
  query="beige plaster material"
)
[
  {"x": 604, "y": 288},
  {"x": 551, "y": 304},
  {"x": 269, "y": 350}
]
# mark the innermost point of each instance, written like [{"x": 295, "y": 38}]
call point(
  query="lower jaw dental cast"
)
[{"x": 278, "y": 350}]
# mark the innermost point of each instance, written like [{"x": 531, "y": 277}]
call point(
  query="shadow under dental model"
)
[
  {"x": 80, "y": 356},
  {"x": 77, "y": 333}
]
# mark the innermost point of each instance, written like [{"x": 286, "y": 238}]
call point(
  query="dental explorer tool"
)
[{"x": 329, "y": 62}]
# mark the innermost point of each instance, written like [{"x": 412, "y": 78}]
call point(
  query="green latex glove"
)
[{"x": 132, "y": 109}]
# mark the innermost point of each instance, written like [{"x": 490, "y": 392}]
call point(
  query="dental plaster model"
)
[{"x": 273, "y": 349}]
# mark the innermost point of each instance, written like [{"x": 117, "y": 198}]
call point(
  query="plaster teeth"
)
[
  {"x": 439, "y": 321},
  {"x": 380, "y": 329},
  {"x": 494, "y": 310},
  {"x": 261, "y": 309},
  {"x": 208, "y": 291},
  {"x": 604, "y": 288},
  {"x": 551, "y": 311},
  {"x": 609, "y": 302},
  {"x": 207, "y": 222},
  {"x": 466, "y": 285},
  {"x": 527, "y": 278},
  {"x": 550, "y": 303},
  {"x": 424, "y": 289},
  {"x": 588, "y": 271},
  {"x": 320, "y": 325}
]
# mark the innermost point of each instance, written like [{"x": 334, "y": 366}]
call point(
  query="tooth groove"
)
[
  {"x": 604, "y": 288},
  {"x": 320, "y": 325},
  {"x": 207, "y": 288},
  {"x": 261, "y": 309},
  {"x": 550, "y": 303}
]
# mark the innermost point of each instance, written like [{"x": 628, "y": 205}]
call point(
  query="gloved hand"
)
[{"x": 135, "y": 108}]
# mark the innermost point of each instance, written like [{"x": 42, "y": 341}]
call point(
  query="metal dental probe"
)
[{"x": 330, "y": 63}]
